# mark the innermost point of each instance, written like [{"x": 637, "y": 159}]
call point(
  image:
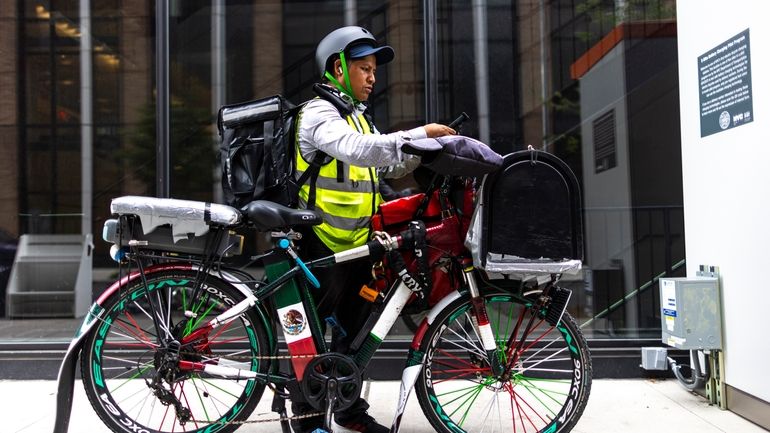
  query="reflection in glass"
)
[{"x": 593, "y": 82}]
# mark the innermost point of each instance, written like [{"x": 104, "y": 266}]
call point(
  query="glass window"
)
[
  {"x": 593, "y": 82},
  {"x": 526, "y": 78},
  {"x": 67, "y": 89},
  {"x": 38, "y": 88}
]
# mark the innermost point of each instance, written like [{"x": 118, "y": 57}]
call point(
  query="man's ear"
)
[{"x": 338, "y": 67}]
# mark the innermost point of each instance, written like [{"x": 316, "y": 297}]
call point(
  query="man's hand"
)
[{"x": 438, "y": 130}]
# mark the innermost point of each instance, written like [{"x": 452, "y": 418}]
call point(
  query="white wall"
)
[{"x": 726, "y": 180}]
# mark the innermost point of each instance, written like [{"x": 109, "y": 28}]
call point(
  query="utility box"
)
[
  {"x": 691, "y": 313},
  {"x": 51, "y": 277},
  {"x": 654, "y": 358}
]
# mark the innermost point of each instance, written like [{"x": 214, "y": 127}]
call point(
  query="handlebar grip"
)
[{"x": 459, "y": 121}]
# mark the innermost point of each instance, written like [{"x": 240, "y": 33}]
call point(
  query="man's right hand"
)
[{"x": 434, "y": 130}]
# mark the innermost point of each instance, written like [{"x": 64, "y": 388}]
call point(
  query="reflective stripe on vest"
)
[{"x": 347, "y": 206}]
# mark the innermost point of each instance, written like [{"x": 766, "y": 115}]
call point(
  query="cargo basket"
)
[{"x": 528, "y": 219}]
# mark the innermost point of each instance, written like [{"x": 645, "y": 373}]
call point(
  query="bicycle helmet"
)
[{"x": 355, "y": 42}]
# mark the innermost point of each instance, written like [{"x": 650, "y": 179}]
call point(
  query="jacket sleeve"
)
[{"x": 323, "y": 128}]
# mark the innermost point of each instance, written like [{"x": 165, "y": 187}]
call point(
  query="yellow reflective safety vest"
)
[{"x": 346, "y": 197}]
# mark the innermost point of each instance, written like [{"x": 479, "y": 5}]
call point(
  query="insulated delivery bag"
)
[{"x": 256, "y": 151}]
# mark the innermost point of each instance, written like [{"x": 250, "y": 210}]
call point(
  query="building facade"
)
[{"x": 592, "y": 81}]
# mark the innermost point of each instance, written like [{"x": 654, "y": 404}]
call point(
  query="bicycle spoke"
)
[
  {"x": 550, "y": 358},
  {"x": 133, "y": 321},
  {"x": 525, "y": 383},
  {"x": 487, "y": 410},
  {"x": 475, "y": 348},
  {"x": 163, "y": 420},
  {"x": 462, "y": 391},
  {"x": 141, "y": 342},
  {"x": 216, "y": 400},
  {"x": 192, "y": 325},
  {"x": 217, "y": 387},
  {"x": 471, "y": 397},
  {"x": 518, "y": 397},
  {"x": 183, "y": 395},
  {"x": 142, "y": 368},
  {"x": 134, "y": 379},
  {"x": 200, "y": 399},
  {"x": 163, "y": 325},
  {"x": 515, "y": 403}
]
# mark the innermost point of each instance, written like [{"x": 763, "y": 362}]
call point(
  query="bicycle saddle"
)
[{"x": 269, "y": 216}]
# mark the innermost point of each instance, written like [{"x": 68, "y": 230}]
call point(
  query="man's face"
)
[{"x": 361, "y": 72}]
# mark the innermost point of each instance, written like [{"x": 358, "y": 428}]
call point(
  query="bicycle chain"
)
[
  {"x": 271, "y": 357},
  {"x": 262, "y": 421},
  {"x": 259, "y": 357}
]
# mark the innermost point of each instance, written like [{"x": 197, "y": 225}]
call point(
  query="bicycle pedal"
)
[
  {"x": 336, "y": 327},
  {"x": 559, "y": 300}
]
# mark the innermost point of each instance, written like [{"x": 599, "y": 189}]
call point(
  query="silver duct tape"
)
[
  {"x": 184, "y": 216},
  {"x": 501, "y": 264}
]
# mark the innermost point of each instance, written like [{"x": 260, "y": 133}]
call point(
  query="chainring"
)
[{"x": 317, "y": 386}]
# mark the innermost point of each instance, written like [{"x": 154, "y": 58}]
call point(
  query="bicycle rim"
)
[
  {"x": 544, "y": 391},
  {"x": 121, "y": 359}
]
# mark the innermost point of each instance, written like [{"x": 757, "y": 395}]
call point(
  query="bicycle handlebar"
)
[{"x": 459, "y": 121}]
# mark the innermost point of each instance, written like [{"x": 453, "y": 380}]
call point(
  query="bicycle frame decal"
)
[
  {"x": 568, "y": 338},
  {"x": 551, "y": 429},
  {"x": 574, "y": 393},
  {"x": 299, "y": 339},
  {"x": 294, "y": 320},
  {"x": 447, "y": 421}
]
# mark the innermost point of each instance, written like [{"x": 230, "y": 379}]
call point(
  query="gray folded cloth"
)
[{"x": 455, "y": 155}]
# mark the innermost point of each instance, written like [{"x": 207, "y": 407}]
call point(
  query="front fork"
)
[
  {"x": 416, "y": 358},
  {"x": 481, "y": 320}
]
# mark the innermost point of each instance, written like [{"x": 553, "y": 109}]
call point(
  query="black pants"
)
[{"x": 337, "y": 296}]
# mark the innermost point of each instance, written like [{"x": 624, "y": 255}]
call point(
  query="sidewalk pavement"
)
[{"x": 627, "y": 405}]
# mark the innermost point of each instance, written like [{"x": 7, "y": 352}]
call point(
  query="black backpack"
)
[{"x": 257, "y": 153}]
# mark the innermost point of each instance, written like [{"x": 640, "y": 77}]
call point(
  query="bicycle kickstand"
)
[{"x": 279, "y": 407}]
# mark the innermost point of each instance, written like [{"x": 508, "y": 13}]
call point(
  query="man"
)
[{"x": 346, "y": 191}]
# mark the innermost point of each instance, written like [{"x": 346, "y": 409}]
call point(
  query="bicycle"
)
[{"x": 182, "y": 342}]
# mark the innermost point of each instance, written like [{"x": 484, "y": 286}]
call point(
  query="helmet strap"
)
[{"x": 346, "y": 89}]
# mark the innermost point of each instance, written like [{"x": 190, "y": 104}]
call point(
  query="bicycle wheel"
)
[
  {"x": 123, "y": 368},
  {"x": 544, "y": 389}
]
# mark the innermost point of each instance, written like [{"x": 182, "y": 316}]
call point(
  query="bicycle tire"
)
[
  {"x": 120, "y": 356},
  {"x": 545, "y": 392}
]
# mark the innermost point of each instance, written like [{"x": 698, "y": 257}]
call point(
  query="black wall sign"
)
[{"x": 724, "y": 77}]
